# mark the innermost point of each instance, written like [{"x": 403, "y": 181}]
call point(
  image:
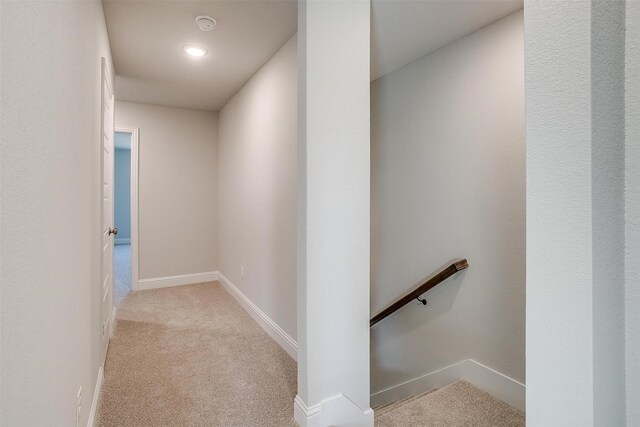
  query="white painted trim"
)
[
  {"x": 96, "y": 398},
  {"x": 302, "y": 411},
  {"x": 305, "y": 415},
  {"x": 122, "y": 241},
  {"x": 337, "y": 410},
  {"x": 105, "y": 78},
  {"x": 483, "y": 377},
  {"x": 276, "y": 332},
  {"x": 496, "y": 383},
  {"x": 182, "y": 279},
  {"x": 135, "y": 174}
]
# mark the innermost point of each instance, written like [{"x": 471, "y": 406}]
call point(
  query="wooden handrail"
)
[{"x": 455, "y": 266}]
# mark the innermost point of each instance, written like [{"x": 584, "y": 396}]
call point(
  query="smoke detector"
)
[{"x": 205, "y": 23}]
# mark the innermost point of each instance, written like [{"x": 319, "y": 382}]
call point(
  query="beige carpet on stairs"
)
[
  {"x": 381, "y": 410},
  {"x": 456, "y": 405},
  {"x": 191, "y": 356}
]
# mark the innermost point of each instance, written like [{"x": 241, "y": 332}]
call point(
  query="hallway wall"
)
[
  {"x": 448, "y": 181},
  {"x": 50, "y": 232},
  {"x": 632, "y": 211},
  {"x": 177, "y": 188},
  {"x": 257, "y": 188}
]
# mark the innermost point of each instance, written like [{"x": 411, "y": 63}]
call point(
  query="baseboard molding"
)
[
  {"x": 489, "y": 380},
  {"x": 122, "y": 241},
  {"x": 338, "y": 410},
  {"x": 93, "y": 413},
  {"x": 271, "y": 327},
  {"x": 169, "y": 281}
]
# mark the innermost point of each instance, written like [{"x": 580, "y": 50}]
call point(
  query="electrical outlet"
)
[
  {"x": 242, "y": 271},
  {"x": 78, "y": 406}
]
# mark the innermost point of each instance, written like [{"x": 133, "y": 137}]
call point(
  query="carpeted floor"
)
[
  {"x": 191, "y": 356},
  {"x": 121, "y": 272},
  {"x": 457, "y": 405}
]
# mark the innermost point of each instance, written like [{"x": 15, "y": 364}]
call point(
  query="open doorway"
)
[{"x": 125, "y": 253}]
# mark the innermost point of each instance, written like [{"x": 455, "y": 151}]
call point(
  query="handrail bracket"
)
[{"x": 452, "y": 268}]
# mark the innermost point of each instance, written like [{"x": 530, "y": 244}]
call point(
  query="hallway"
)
[
  {"x": 190, "y": 355},
  {"x": 121, "y": 272}
]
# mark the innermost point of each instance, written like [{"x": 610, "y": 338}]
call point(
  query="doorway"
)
[{"x": 125, "y": 253}]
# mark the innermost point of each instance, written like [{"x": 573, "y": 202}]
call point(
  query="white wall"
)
[
  {"x": 177, "y": 188},
  {"x": 607, "y": 210},
  {"x": 575, "y": 215},
  {"x": 122, "y": 192},
  {"x": 333, "y": 213},
  {"x": 257, "y": 188},
  {"x": 632, "y": 266},
  {"x": 50, "y": 220},
  {"x": 448, "y": 181}
]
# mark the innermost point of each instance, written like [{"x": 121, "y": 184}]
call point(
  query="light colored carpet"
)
[
  {"x": 121, "y": 272},
  {"x": 381, "y": 410},
  {"x": 191, "y": 356},
  {"x": 459, "y": 404}
]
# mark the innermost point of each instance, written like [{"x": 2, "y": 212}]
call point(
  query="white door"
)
[{"x": 107, "y": 209}]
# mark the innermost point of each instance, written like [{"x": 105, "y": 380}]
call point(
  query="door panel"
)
[{"x": 107, "y": 208}]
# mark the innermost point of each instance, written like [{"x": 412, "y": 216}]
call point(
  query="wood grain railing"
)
[{"x": 439, "y": 277}]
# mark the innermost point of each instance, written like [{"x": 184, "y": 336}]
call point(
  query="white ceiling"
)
[
  {"x": 405, "y": 30},
  {"x": 147, "y": 38}
]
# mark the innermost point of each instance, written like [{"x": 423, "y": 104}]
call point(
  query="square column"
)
[
  {"x": 574, "y": 62},
  {"x": 333, "y": 213}
]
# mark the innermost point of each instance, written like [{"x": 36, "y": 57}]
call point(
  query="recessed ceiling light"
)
[{"x": 194, "y": 51}]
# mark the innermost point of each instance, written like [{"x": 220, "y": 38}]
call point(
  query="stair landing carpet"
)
[
  {"x": 191, "y": 356},
  {"x": 459, "y": 404}
]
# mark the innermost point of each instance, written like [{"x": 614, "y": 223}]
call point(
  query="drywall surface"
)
[
  {"x": 608, "y": 203},
  {"x": 257, "y": 188},
  {"x": 632, "y": 198},
  {"x": 575, "y": 225},
  {"x": 177, "y": 188},
  {"x": 448, "y": 181},
  {"x": 559, "y": 299},
  {"x": 122, "y": 193},
  {"x": 50, "y": 221},
  {"x": 333, "y": 211}
]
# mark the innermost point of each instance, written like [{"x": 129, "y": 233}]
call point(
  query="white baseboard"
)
[
  {"x": 168, "y": 281},
  {"x": 483, "y": 377},
  {"x": 96, "y": 398},
  {"x": 338, "y": 410},
  {"x": 489, "y": 380},
  {"x": 122, "y": 241},
  {"x": 271, "y": 327}
]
